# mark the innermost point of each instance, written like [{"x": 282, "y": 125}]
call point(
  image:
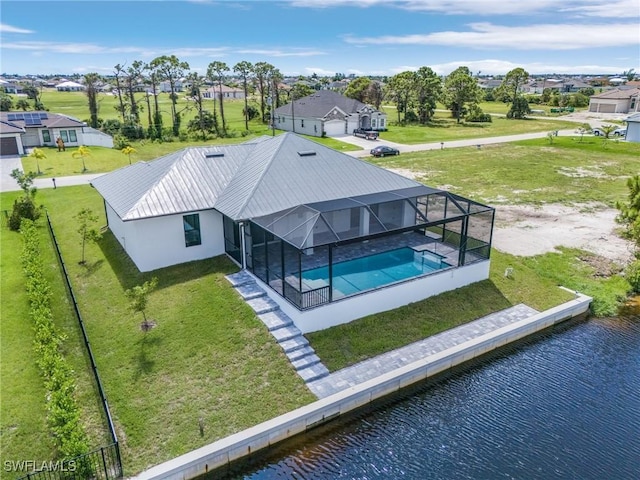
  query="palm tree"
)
[
  {"x": 82, "y": 152},
  {"x": 245, "y": 69},
  {"x": 38, "y": 154},
  {"x": 129, "y": 150},
  {"x": 215, "y": 72}
]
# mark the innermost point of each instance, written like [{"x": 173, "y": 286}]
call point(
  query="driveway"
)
[{"x": 7, "y": 165}]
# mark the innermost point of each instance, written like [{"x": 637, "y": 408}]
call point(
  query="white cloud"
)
[
  {"x": 321, "y": 72},
  {"x": 597, "y": 8},
  {"x": 281, "y": 53},
  {"x": 530, "y": 37},
  {"x": 4, "y": 28}
]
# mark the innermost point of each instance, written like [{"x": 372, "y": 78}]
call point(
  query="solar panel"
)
[
  {"x": 12, "y": 117},
  {"x": 31, "y": 121},
  {"x": 43, "y": 116}
]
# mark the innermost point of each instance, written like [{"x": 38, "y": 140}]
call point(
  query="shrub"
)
[{"x": 632, "y": 275}]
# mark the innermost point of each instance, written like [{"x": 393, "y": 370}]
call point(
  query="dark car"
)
[{"x": 384, "y": 150}]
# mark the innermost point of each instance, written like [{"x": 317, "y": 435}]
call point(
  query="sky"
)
[{"x": 325, "y": 37}]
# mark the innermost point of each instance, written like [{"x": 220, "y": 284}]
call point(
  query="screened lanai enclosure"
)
[{"x": 317, "y": 253}]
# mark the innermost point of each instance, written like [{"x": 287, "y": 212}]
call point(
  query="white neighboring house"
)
[
  {"x": 22, "y": 130},
  {"x": 619, "y": 100},
  {"x": 165, "y": 86},
  {"x": 70, "y": 86},
  {"x": 227, "y": 93},
  {"x": 286, "y": 209},
  {"x": 329, "y": 113},
  {"x": 633, "y": 128}
]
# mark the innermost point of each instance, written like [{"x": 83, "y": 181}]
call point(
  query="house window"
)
[
  {"x": 46, "y": 136},
  {"x": 373, "y": 123},
  {"x": 68, "y": 135},
  {"x": 191, "y": 224},
  {"x": 382, "y": 123}
]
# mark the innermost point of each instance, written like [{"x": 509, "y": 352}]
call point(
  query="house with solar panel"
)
[
  {"x": 330, "y": 237},
  {"x": 20, "y": 131}
]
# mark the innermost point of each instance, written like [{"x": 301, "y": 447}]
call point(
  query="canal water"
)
[{"x": 565, "y": 405}]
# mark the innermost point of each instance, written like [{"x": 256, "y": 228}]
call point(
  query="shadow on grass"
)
[
  {"x": 129, "y": 276},
  {"x": 143, "y": 360},
  {"x": 91, "y": 268}
]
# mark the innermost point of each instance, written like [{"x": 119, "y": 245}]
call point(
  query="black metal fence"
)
[
  {"x": 100, "y": 464},
  {"x": 105, "y": 462}
]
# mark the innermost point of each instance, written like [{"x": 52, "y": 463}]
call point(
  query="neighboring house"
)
[
  {"x": 12, "y": 88},
  {"x": 328, "y": 113},
  {"x": 633, "y": 128},
  {"x": 165, "y": 86},
  {"x": 227, "y": 93},
  {"x": 618, "y": 100},
  {"x": 69, "y": 86},
  {"x": 10, "y": 143},
  {"x": 330, "y": 237},
  {"x": 41, "y": 129}
]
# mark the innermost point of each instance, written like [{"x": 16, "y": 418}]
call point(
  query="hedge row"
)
[{"x": 63, "y": 414}]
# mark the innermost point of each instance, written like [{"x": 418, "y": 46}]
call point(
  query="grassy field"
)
[
  {"x": 25, "y": 434},
  {"x": 570, "y": 170}
]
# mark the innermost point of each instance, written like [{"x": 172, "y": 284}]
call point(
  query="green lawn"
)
[
  {"x": 25, "y": 434},
  {"x": 209, "y": 356},
  {"x": 443, "y": 128},
  {"x": 570, "y": 170}
]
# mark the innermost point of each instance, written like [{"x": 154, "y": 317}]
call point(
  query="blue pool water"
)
[{"x": 366, "y": 273}]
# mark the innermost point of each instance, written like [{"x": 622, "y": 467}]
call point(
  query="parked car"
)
[
  {"x": 618, "y": 132},
  {"x": 368, "y": 134},
  {"x": 384, "y": 150}
]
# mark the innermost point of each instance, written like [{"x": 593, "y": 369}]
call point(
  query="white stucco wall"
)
[
  {"x": 358, "y": 306},
  {"x": 312, "y": 126},
  {"x": 633, "y": 132},
  {"x": 159, "y": 242}
]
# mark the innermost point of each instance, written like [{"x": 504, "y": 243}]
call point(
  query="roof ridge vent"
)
[
  {"x": 307, "y": 153},
  {"x": 214, "y": 154}
]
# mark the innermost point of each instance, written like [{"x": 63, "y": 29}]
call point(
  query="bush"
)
[
  {"x": 23, "y": 208},
  {"x": 632, "y": 275}
]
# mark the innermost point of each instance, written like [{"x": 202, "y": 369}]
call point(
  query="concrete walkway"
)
[{"x": 374, "y": 367}]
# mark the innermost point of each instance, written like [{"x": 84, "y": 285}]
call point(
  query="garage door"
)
[
  {"x": 8, "y": 146},
  {"x": 334, "y": 127}
]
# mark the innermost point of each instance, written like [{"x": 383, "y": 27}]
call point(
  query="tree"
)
[
  {"x": 262, "y": 72},
  {"x": 128, "y": 150},
  {"x": 132, "y": 79},
  {"x": 519, "y": 108},
  {"x": 215, "y": 72},
  {"x": 91, "y": 81},
  {"x": 461, "y": 89},
  {"x": 38, "y": 154},
  {"x": 245, "y": 69},
  {"x": 629, "y": 215},
  {"x": 195, "y": 94},
  {"x": 509, "y": 91},
  {"x": 401, "y": 88},
  {"x": 171, "y": 69},
  {"x": 23, "y": 105},
  {"x": 117, "y": 73},
  {"x": 82, "y": 152},
  {"x": 357, "y": 89},
  {"x": 629, "y": 74},
  {"x": 33, "y": 93},
  {"x": 88, "y": 233},
  {"x": 428, "y": 89},
  {"x": 6, "y": 102},
  {"x": 375, "y": 94},
  {"x": 24, "y": 206},
  {"x": 138, "y": 298}
]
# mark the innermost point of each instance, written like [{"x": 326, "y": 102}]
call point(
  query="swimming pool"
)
[{"x": 366, "y": 273}]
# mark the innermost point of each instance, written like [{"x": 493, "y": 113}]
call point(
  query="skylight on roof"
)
[{"x": 307, "y": 153}]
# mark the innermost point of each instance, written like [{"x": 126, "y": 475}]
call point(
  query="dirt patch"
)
[{"x": 529, "y": 230}]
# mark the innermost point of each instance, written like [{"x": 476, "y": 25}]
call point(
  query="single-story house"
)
[
  {"x": 618, "y": 100},
  {"x": 12, "y": 88},
  {"x": 227, "y": 93},
  {"x": 22, "y": 130},
  {"x": 330, "y": 237},
  {"x": 328, "y": 113},
  {"x": 633, "y": 128},
  {"x": 70, "y": 86},
  {"x": 165, "y": 86}
]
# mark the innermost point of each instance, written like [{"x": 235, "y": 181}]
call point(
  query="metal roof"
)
[{"x": 250, "y": 180}]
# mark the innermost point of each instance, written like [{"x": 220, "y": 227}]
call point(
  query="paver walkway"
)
[{"x": 363, "y": 371}]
